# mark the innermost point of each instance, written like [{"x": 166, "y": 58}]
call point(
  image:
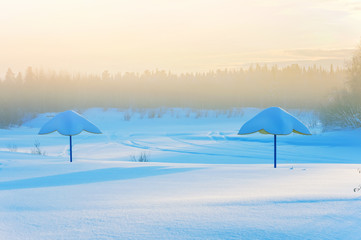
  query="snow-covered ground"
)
[{"x": 202, "y": 180}]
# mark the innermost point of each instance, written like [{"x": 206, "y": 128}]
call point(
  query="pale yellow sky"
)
[{"x": 180, "y": 36}]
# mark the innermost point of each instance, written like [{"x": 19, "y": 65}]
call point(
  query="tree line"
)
[
  {"x": 37, "y": 91},
  {"x": 344, "y": 107}
]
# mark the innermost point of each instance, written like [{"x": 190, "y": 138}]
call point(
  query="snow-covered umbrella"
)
[
  {"x": 69, "y": 123},
  {"x": 276, "y": 121}
]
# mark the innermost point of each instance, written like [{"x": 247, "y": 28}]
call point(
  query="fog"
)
[{"x": 37, "y": 91}]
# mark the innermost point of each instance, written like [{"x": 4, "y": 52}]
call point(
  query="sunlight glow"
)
[{"x": 196, "y": 35}]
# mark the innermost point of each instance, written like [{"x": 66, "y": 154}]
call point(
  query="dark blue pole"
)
[
  {"x": 275, "y": 151},
  {"x": 71, "y": 151}
]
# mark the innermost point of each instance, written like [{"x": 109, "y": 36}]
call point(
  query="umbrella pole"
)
[
  {"x": 275, "y": 151},
  {"x": 71, "y": 150}
]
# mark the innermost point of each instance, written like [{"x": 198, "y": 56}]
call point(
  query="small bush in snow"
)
[
  {"x": 127, "y": 116},
  {"x": 151, "y": 114},
  {"x": 342, "y": 111},
  {"x": 37, "y": 150},
  {"x": 12, "y": 147},
  {"x": 143, "y": 157}
]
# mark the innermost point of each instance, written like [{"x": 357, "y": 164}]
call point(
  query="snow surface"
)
[
  {"x": 274, "y": 120},
  {"x": 202, "y": 181}
]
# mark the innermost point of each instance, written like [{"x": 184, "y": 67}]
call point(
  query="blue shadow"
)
[{"x": 91, "y": 176}]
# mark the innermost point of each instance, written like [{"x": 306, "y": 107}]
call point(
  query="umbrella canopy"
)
[
  {"x": 69, "y": 123},
  {"x": 276, "y": 121}
]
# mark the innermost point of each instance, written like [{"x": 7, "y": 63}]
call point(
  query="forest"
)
[{"x": 23, "y": 94}]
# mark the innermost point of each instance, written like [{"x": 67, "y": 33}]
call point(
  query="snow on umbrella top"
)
[
  {"x": 69, "y": 123},
  {"x": 274, "y": 120}
]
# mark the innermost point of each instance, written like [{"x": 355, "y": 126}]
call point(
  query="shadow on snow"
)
[{"x": 91, "y": 176}]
